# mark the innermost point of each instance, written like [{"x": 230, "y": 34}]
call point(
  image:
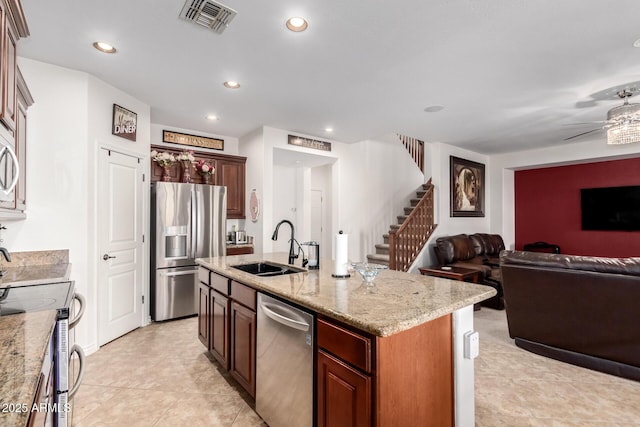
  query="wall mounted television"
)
[{"x": 611, "y": 208}]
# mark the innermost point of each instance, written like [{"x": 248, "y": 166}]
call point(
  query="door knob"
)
[{"x": 107, "y": 256}]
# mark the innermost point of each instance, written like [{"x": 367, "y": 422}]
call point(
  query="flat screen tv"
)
[{"x": 611, "y": 208}]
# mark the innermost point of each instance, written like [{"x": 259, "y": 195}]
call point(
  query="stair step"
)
[
  {"x": 382, "y": 249},
  {"x": 385, "y": 238},
  {"x": 407, "y": 211},
  {"x": 378, "y": 259},
  {"x": 421, "y": 193},
  {"x": 401, "y": 218},
  {"x": 394, "y": 226},
  {"x": 415, "y": 201}
]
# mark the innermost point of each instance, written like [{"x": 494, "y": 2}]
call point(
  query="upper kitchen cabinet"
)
[
  {"x": 13, "y": 26},
  {"x": 24, "y": 101},
  {"x": 229, "y": 171},
  {"x": 14, "y": 101}
]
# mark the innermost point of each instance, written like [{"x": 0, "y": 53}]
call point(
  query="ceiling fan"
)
[{"x": 623, "y": 122}]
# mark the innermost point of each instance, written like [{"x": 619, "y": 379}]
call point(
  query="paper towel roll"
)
[{"x": 340, "y": 268}]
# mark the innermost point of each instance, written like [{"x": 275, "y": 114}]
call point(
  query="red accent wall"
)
[{"x": 547, "y": 207}]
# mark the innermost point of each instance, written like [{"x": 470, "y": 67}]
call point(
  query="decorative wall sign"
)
[
  {"x": 193, "y": 140},
  {"x": 467, "y": 188},
  {"x": 309, "y": 143},
  {"x": 125, "y": 123}
]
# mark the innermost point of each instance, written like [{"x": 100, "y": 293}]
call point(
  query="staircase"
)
[{"x": 405, "y": 239}]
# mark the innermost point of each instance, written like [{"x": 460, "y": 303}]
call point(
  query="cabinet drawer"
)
[
  {"x": 220, "y": 283},
  {"x": 203, "y": 275},
  {"x": 351, "y": 347},
  {"x": 243, "y": 294}
]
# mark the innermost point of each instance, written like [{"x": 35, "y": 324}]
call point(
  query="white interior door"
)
[{"x": 120, "y": 214}]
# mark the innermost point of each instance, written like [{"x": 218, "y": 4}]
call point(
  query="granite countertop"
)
[
  {"x": 23, "y": 344},
  {"x": 396, "y": 302},
  {"x": 239, "y": 245},
  {"x": 37, "y": 267}
]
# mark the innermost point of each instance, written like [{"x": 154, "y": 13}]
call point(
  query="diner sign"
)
[
  {"x": 309, "y": 143},
  {"x": 193, "y": 140}
]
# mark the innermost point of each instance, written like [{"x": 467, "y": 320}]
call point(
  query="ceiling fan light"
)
[{"x": 625, "y": 127}]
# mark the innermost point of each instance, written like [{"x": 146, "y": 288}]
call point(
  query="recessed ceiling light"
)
[
  {"x": 636, "y": 43},
  {"x": 212, "y": 117},
  {"x": 434, "y": 108},
  {"x": 104, "y": 47},
  {"x": 231, "y": 84},
  {"x": 329, "y": 129},
  {"x": 297, "y": 24}
]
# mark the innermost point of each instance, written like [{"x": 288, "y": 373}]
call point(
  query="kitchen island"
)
[{"x": 403, "y": 335}]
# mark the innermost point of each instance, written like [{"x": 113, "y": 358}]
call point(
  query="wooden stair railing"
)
[
  {"x": 415, "y": 147},
  {"x": 406, "y": 242}
]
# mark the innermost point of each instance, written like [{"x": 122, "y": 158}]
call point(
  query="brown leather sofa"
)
[
  {"x": 578, "y": 309},
  {"x": 478, "y": 252}
]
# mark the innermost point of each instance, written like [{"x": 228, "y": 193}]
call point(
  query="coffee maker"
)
[{"x": 313, "y": 254}]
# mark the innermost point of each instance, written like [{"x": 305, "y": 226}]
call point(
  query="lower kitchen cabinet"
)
[
  {"x": 204, "y": 313},
  {"x": 219, "y": 343},
  {"x": 417, "y": 362},
  {"x": 344, "y": 394},
  {"x": 227, "y": 325},
  {"x": 243, "y": 346}
]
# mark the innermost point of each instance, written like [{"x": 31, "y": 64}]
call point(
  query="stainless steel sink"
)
[{"x": 268, "y": 269}]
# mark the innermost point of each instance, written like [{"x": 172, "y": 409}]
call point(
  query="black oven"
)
[{"x": 55, "y": 373}]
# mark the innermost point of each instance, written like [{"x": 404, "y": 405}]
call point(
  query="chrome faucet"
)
[
  {"x": 6, "y": 254},
  {"x": 292, "y": 256}
]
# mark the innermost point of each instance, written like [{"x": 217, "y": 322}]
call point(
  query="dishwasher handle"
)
[{"x": 292, "y": 323}]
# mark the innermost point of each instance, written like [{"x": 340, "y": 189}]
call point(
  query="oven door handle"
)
[
  {"x": 76, "y": 384},
  {"x": 83, "y": 304}
]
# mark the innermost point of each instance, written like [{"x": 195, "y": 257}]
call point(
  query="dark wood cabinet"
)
[
  {"x": 344, "y": 394},
  {"x": 219, "y": 343},
  {"x": 227, "y": 325},
  {"x": 204, "y": 314},
  {"x": 229, "y": 172},
  {"x": 417, "y": 362},
  {"x": 9, "y": 94},
  {"x": 25, "y": 100},
  {"x": 243, "y": 346},
  {"x": 241, "y": 250}
]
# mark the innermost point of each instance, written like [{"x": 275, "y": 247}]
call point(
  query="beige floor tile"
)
[{"x": 161, "y": 375}]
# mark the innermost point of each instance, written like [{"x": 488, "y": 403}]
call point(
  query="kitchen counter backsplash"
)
[
  {"x": 31, "y": 268},
  {"x": 21, "y": 259}
]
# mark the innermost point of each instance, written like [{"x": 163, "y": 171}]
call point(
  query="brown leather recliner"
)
[
  {"x": 476, "y": 252},
  {"x": 578, "y": 309}
]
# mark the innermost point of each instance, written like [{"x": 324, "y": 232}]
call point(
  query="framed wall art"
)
[
  {"x": 124, "y": 123},
  {"x": 467, "y": 188}
]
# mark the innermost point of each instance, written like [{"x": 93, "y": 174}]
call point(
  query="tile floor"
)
[{"x": 161, "y": 376}]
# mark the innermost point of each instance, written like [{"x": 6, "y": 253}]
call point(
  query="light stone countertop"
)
[
  {"x": 23, "y": 343},
  {"x": 37, "y": 267},
  {"x": 396, "y": 302}
]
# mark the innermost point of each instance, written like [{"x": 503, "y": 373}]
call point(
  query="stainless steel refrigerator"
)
[{"x": 187, "y": 222}]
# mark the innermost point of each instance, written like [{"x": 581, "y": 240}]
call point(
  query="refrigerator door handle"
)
[
  {"x": 193, "y": 235},
  {"x": 178, "y": 273},
  {"x": 199, "y": 238}
]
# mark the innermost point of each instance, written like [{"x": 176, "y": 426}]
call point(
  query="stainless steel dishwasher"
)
[{"x": 284, "y": 364}]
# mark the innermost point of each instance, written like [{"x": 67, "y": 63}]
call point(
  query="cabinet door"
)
[
  {"x": 21, "y": 153},
  {"x": 243, "y": 347},
  {"x": 204, "y": 314},
  {"x": 231, "y": 174},
  {"x": 8, "y": 113},
  {"x": 343, "y": 393},
  {"x": 219, "y": 347}
]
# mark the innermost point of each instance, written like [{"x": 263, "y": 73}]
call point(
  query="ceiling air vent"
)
[{"x": 209, "y": 14}]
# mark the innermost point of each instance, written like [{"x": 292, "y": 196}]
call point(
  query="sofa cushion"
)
[
  {"x": 488, "y": 244},
  {"x": 628, "y": 266},
  {"x": 455, "y": 248}
]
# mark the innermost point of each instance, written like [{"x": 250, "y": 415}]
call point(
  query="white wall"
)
[
  {"x": 252, "y": 147},
  {"x": 371, "y": 182},
  {"x": 70, "y": 119}
]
